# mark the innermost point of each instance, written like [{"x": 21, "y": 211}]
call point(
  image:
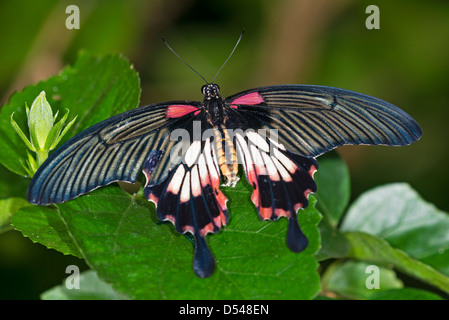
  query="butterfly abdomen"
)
[{"x": 226, "y": 155}]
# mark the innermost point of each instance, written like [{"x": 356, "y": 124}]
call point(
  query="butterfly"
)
[{"x": 187, "y": 149}]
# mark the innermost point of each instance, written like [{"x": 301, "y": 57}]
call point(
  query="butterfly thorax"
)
[
  {"x": 217, "y": 118},
  {"x": 213, "y": 105}
]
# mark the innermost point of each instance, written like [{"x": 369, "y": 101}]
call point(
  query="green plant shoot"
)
[{"x": 45, "y": 133}]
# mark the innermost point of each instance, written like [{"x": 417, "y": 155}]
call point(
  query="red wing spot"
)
[
  {"x": 208, "y": 228},
  {"x": 220, "y": 220},
  {"x": 312, "y": 170},
  {"x": 255, "y": 198},
  {"x": 221, "y": 199},
  {"x": 217, "y": 221},
  {"x": 297, "y": 207},
  {"x": 153, "y": 198},
  {"x": 179, "y": 110},
  {"x": 223, "y": 219},
  {"x": 265, "y": 213},
  {"x": 170, "y": 218},
  {"x": 188, "y": 229},
  {"x": 248, "y": 99},
  {"x": 307, "y": 192},
  {"x": 234, "y": 107},
  {"x": 282, "y": 213}
]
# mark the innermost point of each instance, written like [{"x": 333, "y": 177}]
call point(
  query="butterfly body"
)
[
  {"x": 185, "y": 148},
  {"x": 217, "y": 115}
]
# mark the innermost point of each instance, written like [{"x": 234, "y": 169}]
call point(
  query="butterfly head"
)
[{"x": 210, "y": 91}]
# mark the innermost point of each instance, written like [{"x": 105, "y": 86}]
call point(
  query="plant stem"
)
[{"x": 42, "y": 155}]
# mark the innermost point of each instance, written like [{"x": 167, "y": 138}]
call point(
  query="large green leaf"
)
[
  {"x": 333, "y": 195},
  {"x": 373, "y": 249},
  {"x": 399, "y": 215},
  {"x": 334, "y": 187},
  {"x": 120, "y": 238},
  {"x": 44, "y": 225},
  {"x": 349, "y": 279},
  {"x": 8, "y": 207},
  {"x": 333, "y": 243},
  {"x": 95, "y": 88}
]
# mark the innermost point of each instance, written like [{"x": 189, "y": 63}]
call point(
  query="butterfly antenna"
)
[
  {"x": 235, "y": 47},
  {"x": 165, "y": 42}
]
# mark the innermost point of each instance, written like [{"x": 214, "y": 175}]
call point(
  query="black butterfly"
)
[{"x": 183, "y": 177}]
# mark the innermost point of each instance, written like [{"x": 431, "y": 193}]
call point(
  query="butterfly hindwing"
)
[
  {"x": 306, "y": 121},
  {"x": 282, "y": 182},
  {"x": 190, "y": 198}
]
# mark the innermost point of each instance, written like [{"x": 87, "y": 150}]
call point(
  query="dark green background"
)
[{"x": 321, "y": 42}]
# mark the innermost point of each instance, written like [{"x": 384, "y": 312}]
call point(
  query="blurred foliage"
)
[{"x": 290, "y": 41}]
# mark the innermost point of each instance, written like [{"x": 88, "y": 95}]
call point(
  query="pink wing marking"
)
[
  {"x": 171, "y": 218},
  {"x": 248, "y": 99},
  {"x": 209, "y": 228},
  {"x": 179, "y": 110}
]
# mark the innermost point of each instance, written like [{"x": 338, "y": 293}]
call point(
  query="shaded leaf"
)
[
  {"x": 12, "y": 185},
  {"x": 90, "y": 288},
  {"x": 333, "y": 242},
  {"x": 348, "y": 279},
  {"x": 8, "y": 207},
  {"x": 334, "y": 187},
  {"x": 333, "y": 195},
  {"x": 373, "y": 249},
  {"x": 397, "y": 213}
]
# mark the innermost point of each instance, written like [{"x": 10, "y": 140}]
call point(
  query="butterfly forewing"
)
[
  {"x": 112, "y": 150},
  {"x": 312, "y": 120}
]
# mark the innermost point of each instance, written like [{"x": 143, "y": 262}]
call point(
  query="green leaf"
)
[
  {"x": 94, "y": 88},
  {"x": 373, "y": 249},
  {"x": 396, "y": 213},
  {"x": 20, "y": 133},
  {"x": 333, "y": 243},
  {"x": 333, "y": 195},
  {"x": 44, "y": 225},
  {"x": 31, "y": 165},
  {"x": 90, "y": 288},
  {"x": 334, "y": 187},
  {"x": 405, "y": 294},
  {"x": 60, "y": 134},
  {"x": 120, "y": 238},
  {"x": 54, "y": 132},
  {"x": 12, "y": 185},
  {"x": 348, "y": 279},
  {"x": 8, "y": 207}
]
